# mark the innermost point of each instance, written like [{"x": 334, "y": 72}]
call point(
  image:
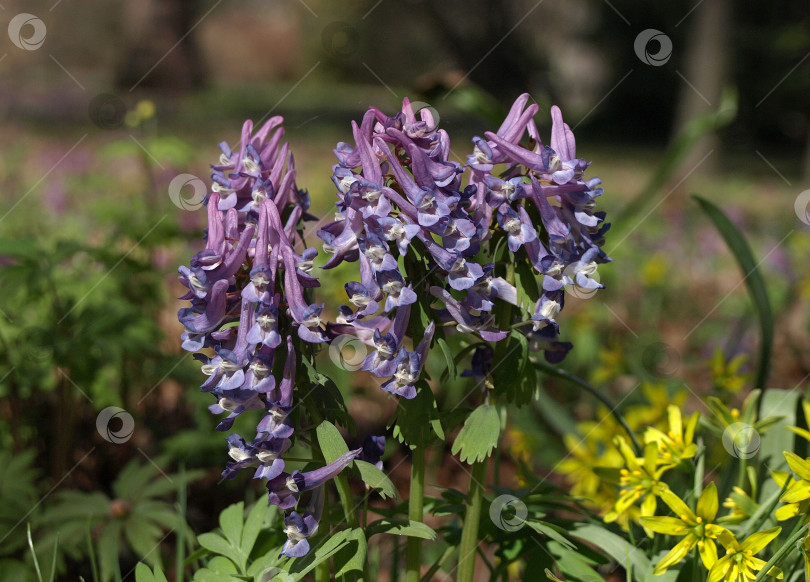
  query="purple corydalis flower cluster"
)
[
  {"x": 398, "y": 190},
  {"x": 248, "y": 305}
]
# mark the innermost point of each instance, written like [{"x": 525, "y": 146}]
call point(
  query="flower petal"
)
[
  {"x": 708, "y": 504},
  {"x": 757, "y": 541}
]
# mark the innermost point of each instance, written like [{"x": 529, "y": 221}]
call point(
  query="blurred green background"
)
[{"x": 104, "y": 103}]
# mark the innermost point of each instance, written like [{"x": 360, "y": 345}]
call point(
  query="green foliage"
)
[
  {"x": 479, "y": 435},
  {"x": 135, "y": 518},
  {"x": 19, "y": 494},
  {"x": 753, "y": 280},
  {"x": 512, "y": 377},
  {"x": 375, "y": 479},
  {"x": 401, "y": 527},
  {"x": 231, "y": 551},
  {"x": 416, "y": 421}
]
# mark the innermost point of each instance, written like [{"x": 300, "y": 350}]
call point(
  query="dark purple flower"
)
[
  {"x": 298, "y": 529},
  {"x": 285, "y": 489}
]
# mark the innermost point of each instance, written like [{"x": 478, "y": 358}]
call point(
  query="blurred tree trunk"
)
[
  {"x": 706, "y": 69},
  {"x": 155, "y": 57}
]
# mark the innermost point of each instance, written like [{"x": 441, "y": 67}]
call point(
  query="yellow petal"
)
[
  {"x": 755, "y": 542},
  {"x": 674, "y": 415},
  {"x": 676, "y": 554},
  {"x": 798, "y": 465},
  {"x": 648, "y": 506},
  {"x": 665, "y": 525},
  {"x": 786, "y": 512},
  {"x": 627, "y": 453},
  {"x": 677, "y": 506},
  {"x": 780, "y": 477},
  {"x": 650, "y": 457},
  {"x": 798, "y": 491},
  {"x": 719, "y": 569},
  {"x": 708, "y": 553},
  {"x": 729, "y": 541},
  {"x": 708, "y": 504},
  {"x": 690, "y": 427}
]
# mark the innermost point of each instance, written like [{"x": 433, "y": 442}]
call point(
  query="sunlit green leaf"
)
[
  {"x": 375, "y": 479},
  {"x": 479, "y": 435}
]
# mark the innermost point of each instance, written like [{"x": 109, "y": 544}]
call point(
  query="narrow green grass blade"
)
[{"x": 753, "y": 280}]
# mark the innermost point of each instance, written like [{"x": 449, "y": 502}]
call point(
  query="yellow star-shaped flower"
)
[
  {"x": 696, "y": 528},
  {"x": 740, "y": 564}
]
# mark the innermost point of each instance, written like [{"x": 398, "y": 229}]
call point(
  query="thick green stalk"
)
[
  {"x": 345, "y": 494},
  {"x": 472, "y": 518},
  {"x": 413, "y": 553}
]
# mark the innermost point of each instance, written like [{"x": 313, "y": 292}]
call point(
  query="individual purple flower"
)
[
  {"x": 285, "y": 489},
  {"x": 298, "y": 529},
  {"x": 397, "y": 293},
  {"x": 466, "y": 322},
  {"x": 518, "y": 228},
  {"x": 264, "y": 451},
  {"x": 373, "y": 449},
  {"x": 409, "y": 367}
]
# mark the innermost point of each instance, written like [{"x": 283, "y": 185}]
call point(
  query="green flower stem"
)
[
  {"x": 413, "y": 552},
  {"x": 472, "y": 518},
  {"x": 345, "y": 495},
  {"x": 554, "y": 371}
]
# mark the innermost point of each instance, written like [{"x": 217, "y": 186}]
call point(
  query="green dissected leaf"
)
[
  {"x": 401, "y": 527},
  {"x": 526, "y": 285},
  {"x": 351, "y": 558},
  {"x": 414, "y": 419},
  {"x": 331, "y": 442},
  {"x": 218, "y": 569},
  {"x": 512, "y": 379},
  {"x": 448, "y": 357},
  {"x": 108, "y": 550},
  {"x": 327, "y": 398},
  {"x": 216, "y": 543},
  {"x": 134, "y": 477},
  {"x": 162, "y": 486},
  {"x": 254, "y": 524},
  {"x": 230, "y": 521},
  {"x": 479, "y": 435},
  {"x": 143, "y": 536},
  {"x": 616, "y": 547},
  {"x": 144, "y": 574},
  {"x": 375, "y": 479},
  {"x": 753, "y": 280}
]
